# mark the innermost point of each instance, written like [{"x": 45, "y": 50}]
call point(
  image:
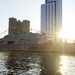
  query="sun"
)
[{"x": 68, "y": 33}]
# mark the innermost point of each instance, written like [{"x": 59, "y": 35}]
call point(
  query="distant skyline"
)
[{"x": 31, "y": 10}]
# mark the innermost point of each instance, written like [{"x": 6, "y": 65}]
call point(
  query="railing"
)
[
  {"x": 3, "y": 33},
  {"x": 6, "y": 32}
]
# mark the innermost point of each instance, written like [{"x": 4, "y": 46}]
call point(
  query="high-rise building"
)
[
  {"x": 16, "y": 26},
  {"x": 51, "y": 17}
]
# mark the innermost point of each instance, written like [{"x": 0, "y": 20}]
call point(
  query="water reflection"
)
[
  {"x": 50, "y": 65},
  {"x": 67, "y": 65},
  {"x": 36, "y": 64},
  {"x": 63, "y": 62},
  {"x": 29, "y": 64},
  {"x": 24, "y": 64},
  {"x": 3, "y": 59}
]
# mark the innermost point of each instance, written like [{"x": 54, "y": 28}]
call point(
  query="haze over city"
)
[{"x": 31, "y": 10}]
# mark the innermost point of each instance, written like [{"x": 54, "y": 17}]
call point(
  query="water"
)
[{"x": 36, "y": 64}]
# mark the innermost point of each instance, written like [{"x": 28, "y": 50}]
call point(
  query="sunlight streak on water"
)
[
  {"x": 63, "y": 62},
  {"x": 67, "y": 65}
]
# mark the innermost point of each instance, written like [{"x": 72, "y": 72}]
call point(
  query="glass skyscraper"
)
[{"x": 51, "y": 17}]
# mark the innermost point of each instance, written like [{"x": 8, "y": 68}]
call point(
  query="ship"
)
[{"x": 20, "y": 39}]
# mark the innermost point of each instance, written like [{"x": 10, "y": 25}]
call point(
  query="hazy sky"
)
[{"x": 31, "y": 10}]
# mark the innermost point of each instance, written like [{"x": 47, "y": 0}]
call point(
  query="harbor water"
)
[{"x": 16, "y": 63}]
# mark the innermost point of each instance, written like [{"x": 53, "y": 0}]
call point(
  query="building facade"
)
[
  {"x": 51, "y": 17},
  {"x": 16, "y": 26}
]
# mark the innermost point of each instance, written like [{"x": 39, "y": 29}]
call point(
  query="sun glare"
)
[{"x": 67, "y": 33}]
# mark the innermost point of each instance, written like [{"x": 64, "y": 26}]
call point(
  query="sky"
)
[{"x": 31, "y": 10}]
